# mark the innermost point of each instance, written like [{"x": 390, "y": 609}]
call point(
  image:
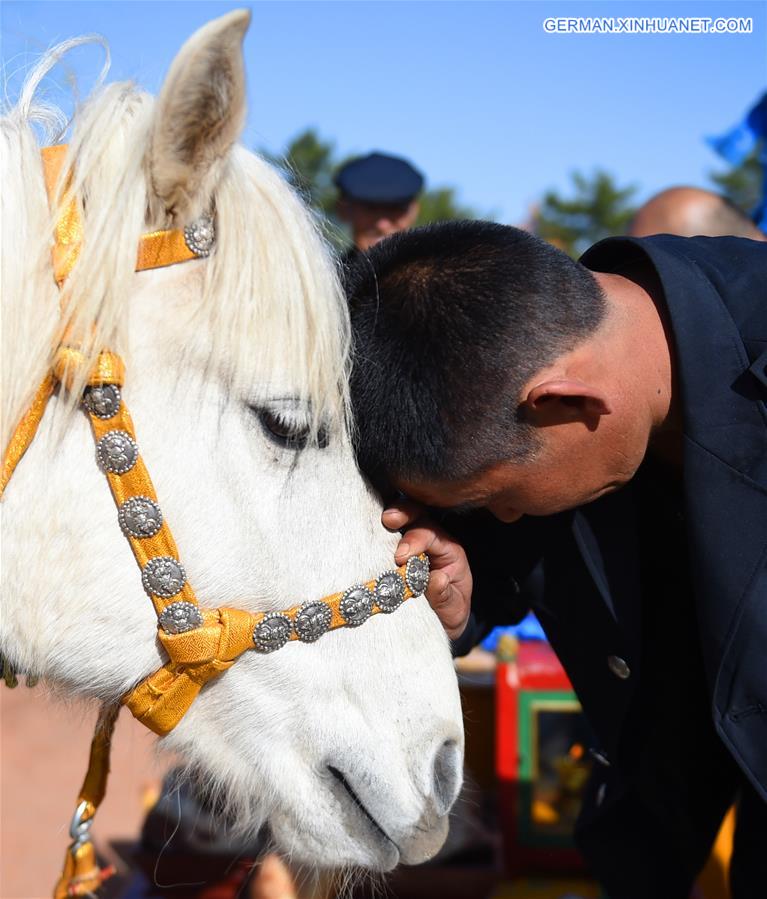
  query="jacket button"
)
[
  {"x": 600, "y": 757},
  {"x": 618, "y": 667}
]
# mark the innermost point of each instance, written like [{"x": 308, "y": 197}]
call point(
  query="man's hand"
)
[{"x": 450, "y": 582}]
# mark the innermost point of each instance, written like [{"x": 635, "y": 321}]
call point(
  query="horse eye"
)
[{"x": 286, "y": 432}]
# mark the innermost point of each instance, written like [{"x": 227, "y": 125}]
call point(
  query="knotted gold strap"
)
[
  {"x": 196, "y": 657},
  {"x": 200, "y": 654},
  {"x": 211, "y": 645}
]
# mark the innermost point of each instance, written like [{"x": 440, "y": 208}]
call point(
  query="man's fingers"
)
[
  {"x": 450, "y": 581},
  {"x": 400, "y": 514},
  {"x": 273, "y": 880},
  {"x": 448, "y": 602},
  {"x": 426, "y": 538},
  {"x": 438, "y": 590}
]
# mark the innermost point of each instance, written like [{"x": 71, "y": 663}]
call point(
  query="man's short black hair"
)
[{"x": 450, "y": 321}]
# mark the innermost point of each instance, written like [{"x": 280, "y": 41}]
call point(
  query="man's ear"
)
[
  {"x": 565, "y": 400},
  {"x": 199, "y": 114}
]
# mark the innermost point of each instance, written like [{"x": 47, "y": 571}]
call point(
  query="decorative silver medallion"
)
[
  {"x": 312, "y": 620},
  {"x": 417, "y": 574},
  {"x": 389, "y": 591},
  {"x": 180, "y": 617},
  {"x": 116, "y": 452},
  {"x": 103, "y": 401},
  {"x": 140, "y": 517},
  {"x": 163, "y": 576},
  {"x": 356, "y": 605},
  {"x": 272, "y": 632},
  {"x": 200, "y": 236}
]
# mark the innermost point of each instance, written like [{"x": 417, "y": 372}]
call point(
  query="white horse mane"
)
[{"x": 265, "y": 241}]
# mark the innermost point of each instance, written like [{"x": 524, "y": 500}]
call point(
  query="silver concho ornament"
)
[
  {"x": 116, "y": 452},
  {"x": 356, "y": 605},
  {"x": 180, "y": 617},
  {"x": 200, "y": 236},
  {"x": 272, "y": 632},
  {"x": 163, "y": 576},
  {"x": 312, "y": 620},
  {"x": 140, "y": 517},
  {"x": 417, "y": 574},
  {"x": 389, "y": 591},
  {"x": 103, "y": 401}
]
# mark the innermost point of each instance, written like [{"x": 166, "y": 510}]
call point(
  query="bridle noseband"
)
[{"x": 200, "y": 643}]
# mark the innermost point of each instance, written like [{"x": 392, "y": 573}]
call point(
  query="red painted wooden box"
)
[{"x": 542, "y": 761}]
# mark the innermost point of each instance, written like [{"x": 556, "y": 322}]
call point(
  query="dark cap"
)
[{"x": 378, "y": 178}]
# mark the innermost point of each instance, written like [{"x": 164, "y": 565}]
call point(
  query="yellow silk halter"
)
[{"x": 200, "y": 643}]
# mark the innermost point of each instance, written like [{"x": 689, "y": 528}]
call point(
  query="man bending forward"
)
[{"x": 594, "y": 435}]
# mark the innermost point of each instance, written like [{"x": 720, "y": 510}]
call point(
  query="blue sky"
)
[{"x": 476, "y": 93}]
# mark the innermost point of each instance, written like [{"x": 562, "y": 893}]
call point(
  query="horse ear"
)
[{"x": 199, "y": 115}]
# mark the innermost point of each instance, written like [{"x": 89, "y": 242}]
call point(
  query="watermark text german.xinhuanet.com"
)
[{"x": 648, "y": 25}]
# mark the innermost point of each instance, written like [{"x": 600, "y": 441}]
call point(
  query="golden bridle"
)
[{"x": 200, "y": 643}]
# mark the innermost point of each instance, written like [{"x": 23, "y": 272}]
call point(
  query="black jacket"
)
[{"x": 579, "y": 570}]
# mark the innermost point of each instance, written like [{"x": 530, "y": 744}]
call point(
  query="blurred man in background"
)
[
  {"x": 690, "y": 211},
  {"x": 378, "y": 196}
]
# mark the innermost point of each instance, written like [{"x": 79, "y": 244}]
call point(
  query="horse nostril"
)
[{"x": 448, "y": 774}]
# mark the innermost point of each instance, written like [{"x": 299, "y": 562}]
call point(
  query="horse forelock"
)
[{"x": 270, "y": 299}]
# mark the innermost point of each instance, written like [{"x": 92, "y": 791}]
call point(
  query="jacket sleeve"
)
[{"x": 503, "y": 559}]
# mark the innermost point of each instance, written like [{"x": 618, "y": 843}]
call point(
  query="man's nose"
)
[
  {"x": 505, "y": 513},
  {"x": 386, "y": 225}
]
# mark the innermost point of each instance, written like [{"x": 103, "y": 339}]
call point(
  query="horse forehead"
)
[{"x": 170, "y": 329}]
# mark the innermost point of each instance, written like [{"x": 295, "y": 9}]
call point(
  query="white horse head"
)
[{"x": 349, "y": 748}]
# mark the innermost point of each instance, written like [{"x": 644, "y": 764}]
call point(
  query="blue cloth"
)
[
  {"x": 739, "y": 142},
  {"x": 529, "y": 628}
]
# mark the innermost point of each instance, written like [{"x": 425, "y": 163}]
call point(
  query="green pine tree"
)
[
  {"x": 440, "y": 205},
  {"x": 310, "y": 162},
  {"x": 596, "y": 208},
  {"x": 742, "y": 183}
]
